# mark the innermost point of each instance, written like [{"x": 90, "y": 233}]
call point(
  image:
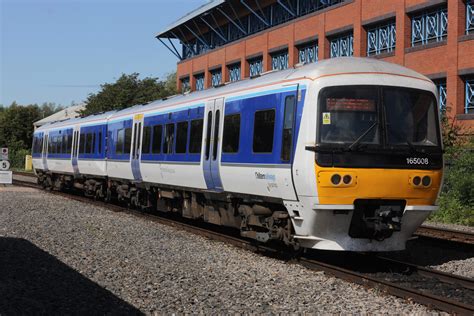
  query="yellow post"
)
[{"x": 28, "y": 163}]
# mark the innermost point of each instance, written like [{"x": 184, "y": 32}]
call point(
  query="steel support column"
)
[{"x": 254, "y": 13}]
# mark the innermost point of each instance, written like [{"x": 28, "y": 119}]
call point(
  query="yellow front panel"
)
[{"x": 377, "y": 184}]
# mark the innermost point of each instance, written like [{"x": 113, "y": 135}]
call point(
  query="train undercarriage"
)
[{"x": 256, "y": 219}]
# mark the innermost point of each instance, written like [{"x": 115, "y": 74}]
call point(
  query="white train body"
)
[{"x": 263, "y": 155}]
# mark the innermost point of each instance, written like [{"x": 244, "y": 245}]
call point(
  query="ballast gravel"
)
[{"x": 63, "y": 256}]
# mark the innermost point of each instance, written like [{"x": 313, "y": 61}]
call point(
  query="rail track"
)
[
  {"x": 361, "y": 268},
  {"x": 445, "y": 234}
]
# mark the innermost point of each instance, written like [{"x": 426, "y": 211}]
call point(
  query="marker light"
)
[
  {"x": 416, "y": 180},
  {"x": 335, "y": 179},
  {"x": 347, "y": 179},
  {"x": 426, "y": 181}
]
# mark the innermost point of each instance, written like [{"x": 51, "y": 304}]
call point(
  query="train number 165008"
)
[{"x": 418, "y": 161}]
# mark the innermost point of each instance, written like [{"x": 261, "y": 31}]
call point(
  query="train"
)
[{"x": 343, "y": 154}]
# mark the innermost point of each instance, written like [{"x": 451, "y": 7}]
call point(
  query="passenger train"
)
[{"x": 343, "y": 154}]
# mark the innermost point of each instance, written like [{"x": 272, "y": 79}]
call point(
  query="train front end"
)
[{"x": 377, "y": 164}]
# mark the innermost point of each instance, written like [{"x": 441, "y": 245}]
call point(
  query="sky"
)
[{"x": 62, "y": 50}]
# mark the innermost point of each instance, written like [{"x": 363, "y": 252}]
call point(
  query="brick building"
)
[{"x": 229, "y": 40}]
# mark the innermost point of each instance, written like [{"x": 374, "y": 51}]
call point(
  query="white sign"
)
[
  {"x": 4, "y": 154},
  {"x": 5, "y": 177},
  {"x": 4, "y": 165}
]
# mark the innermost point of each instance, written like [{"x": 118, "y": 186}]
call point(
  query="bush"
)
[
  {"x": 17, "y": 158},
  {"x": 457, "y": 197}
]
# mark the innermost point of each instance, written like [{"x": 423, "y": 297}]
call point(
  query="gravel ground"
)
[
  {"x": 65, "y": 256},
  {"x": 457, "y": 261}
]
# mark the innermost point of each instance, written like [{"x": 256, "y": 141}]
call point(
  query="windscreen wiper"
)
[
  {"x": 412, "y": 147},
  {"x": 356, "y": 143}
]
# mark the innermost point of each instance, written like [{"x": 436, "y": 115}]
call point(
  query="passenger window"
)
[
  {"x": 58, "y": 145},
  {"x": 195, "y": 138},
  {"x": 120, "y": 141},
  {"x": 288, "y": 124},
  {"x": 263, "y": 130},
  {"x": 53, "y": 145},
  {"x": 127, "y": 141},
  {"x": 99, "y": 145},
  {"x": 181, "y": 137},
  {"x": 146, "y": 142},
  {"x": 69, "y": 144},
  {"x": 64, "y": 144},
  {"x": 216, "y": 135},
  {"x": 90, "y": 143},
  {"x": 230, "y": 143},
  {"x": 157, "y": 136},
  {"x": 169, "y": 139},
  {"x": 208, "y": 134}
]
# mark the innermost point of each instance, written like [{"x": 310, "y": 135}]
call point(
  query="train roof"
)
[
  {"x": 99, "y": 117},
  {"x": 324, "y": 68},
  {"x": 313, "y": 71}
]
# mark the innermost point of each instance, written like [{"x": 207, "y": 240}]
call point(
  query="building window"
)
[
  {"x": 263, "y": 130},
  {"x": 308, "y": 53},
  {"x": 442, "y": 93},
  {"x": 342, "y": 45},
  {"x": 280, "y": 60},
  {"x": 469, "y": 17},
  {"x": 381, "y": 38},
  {"x": 216, "y": 77},
  {"x": 234, "y": 72},
  {"x": 469, "y": 104},
  {"x": 185, "y": 86},
  {"x": 255, "y": 66},
  {"x": 308, "y": 6},
  {"x": 199, "y": 82},
  {"x": 429, "y": 26}
]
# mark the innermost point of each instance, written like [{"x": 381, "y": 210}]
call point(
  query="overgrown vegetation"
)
[
  {"x": 457, "y": 197},
  {"x": 129, "y": 90},
  {"x": 16, "y": 128}
]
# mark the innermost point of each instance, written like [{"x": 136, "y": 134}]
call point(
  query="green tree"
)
[
  {"x": 16, "y": 125},
  {"x": 129, "y": 90}
]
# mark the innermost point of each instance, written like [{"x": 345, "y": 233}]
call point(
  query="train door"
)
[
  {"x": 136, "y": 146},
  {"x": 212, "y": 149},
  {"x": 75, "y": 150},
  {"x": 290, "y": 104},
  {"x": 44, "y": 153}
]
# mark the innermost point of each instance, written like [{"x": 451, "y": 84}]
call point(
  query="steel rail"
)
[
  {"x": 391, "y": 288},
  {"x": 445, "y": 234},
  {"x": 465, "y": 282}
]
